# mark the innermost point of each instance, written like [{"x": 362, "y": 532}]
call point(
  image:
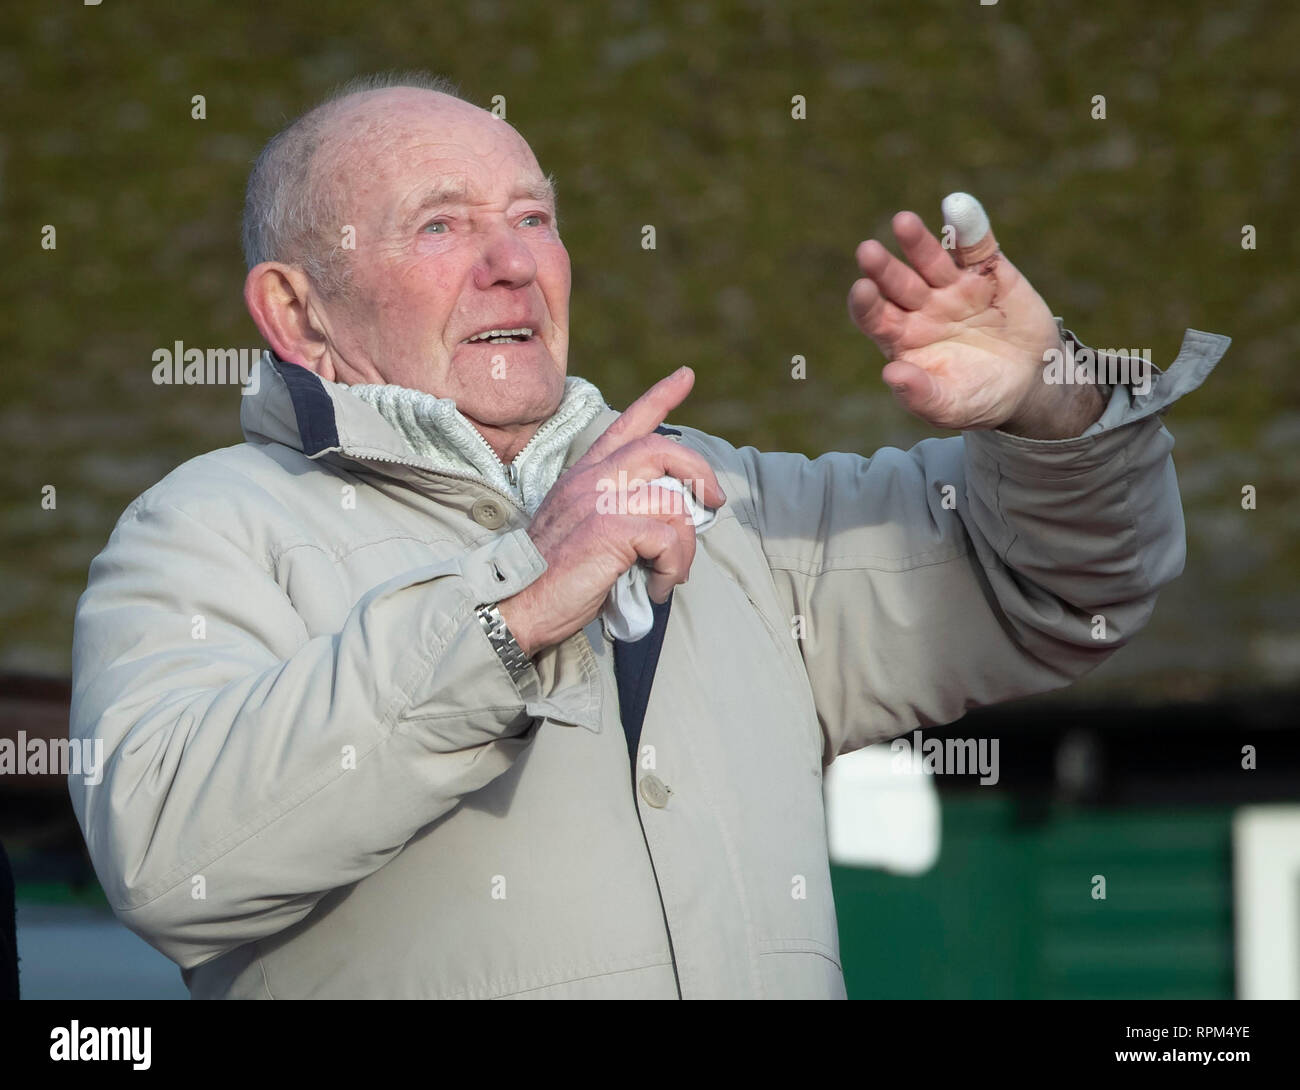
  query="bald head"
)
[{"x": 300, "y": 189}]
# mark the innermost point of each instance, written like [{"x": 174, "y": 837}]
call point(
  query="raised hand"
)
[
  {"x": 587, "y": 546},
  {"x": 965, "y": 338}
]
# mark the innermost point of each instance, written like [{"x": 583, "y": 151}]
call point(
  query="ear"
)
[{"x": 285, "y": 306}]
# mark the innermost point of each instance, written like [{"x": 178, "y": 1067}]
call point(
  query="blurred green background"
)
[{"x": 680, "y": 116}]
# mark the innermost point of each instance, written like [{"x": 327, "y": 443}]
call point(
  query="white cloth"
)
[{"x": 628, "y": 614}]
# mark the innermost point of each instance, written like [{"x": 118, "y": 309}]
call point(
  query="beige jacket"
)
[{"x": 321, "y": 781}]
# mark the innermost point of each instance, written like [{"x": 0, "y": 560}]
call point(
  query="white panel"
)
[
  {"x": 881, "y": 812},
  {"x": 1266, "y": 885}
]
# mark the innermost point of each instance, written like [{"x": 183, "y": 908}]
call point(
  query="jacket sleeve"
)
[
  {"x": 249, "y": 769},
  {"x": 970, "y": 570}
]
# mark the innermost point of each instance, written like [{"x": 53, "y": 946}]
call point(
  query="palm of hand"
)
[{"x": 965, "y": 346}]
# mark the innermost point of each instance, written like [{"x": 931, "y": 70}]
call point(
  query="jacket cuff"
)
[
  {"x": 560, "y": 684},
  {"x": 502, "y": 567},
  {"x": 1016, "y": 455}
]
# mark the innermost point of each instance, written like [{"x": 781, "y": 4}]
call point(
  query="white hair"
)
[{"x": 288, "y": 208}]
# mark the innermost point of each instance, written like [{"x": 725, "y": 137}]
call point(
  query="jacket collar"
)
[{"x": 293, "y": 407}]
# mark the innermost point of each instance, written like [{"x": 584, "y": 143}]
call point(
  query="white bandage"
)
[{"x": 967, "y": 217}]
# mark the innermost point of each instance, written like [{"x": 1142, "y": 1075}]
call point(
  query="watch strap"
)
[{"x": 503, "y": 641}]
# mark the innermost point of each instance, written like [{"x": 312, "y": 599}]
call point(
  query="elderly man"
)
[{"x": 369, "y": 730}]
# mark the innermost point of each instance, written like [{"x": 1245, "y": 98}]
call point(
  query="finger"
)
[
  {"x": 667, "y": 552},
  {"x": 923, "y": 250},
  {"x": 970, "y": 223},
  {"x": 872, "y": 312},
  {"x": 666, "y": 505},
  {"x": 898, "y": 283},
  {"x": 654, "y": 456},
  {"x": 654, "y": 499},
  {"x": 644, "y": 414},
  {"x": 915, "y": 389},
  {"x": 680, "y": 523}
]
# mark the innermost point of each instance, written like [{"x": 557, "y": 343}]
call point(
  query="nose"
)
[{"x": 506, "y": 259}]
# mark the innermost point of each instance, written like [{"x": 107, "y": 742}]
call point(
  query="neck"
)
[{"x": 506, "y": 440}]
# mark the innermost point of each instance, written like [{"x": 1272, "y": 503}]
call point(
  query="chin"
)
[{"x": 532, "y": 403}]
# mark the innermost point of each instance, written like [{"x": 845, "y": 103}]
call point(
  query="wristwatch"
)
[{"x": 503, "y": 641}]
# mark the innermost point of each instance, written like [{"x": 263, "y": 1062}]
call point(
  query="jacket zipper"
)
[{"x": 512, "y": 473}]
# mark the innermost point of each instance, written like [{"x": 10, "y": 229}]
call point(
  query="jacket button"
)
[
  {"x": 653, "y": 791},
  {"x": 488, "y": 513}
]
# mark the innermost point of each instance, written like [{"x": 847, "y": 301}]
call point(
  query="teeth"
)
[{"x": 500, "y": 336}]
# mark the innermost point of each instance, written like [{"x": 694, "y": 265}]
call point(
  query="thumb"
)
[
  {"x": 975, "y": 241},
  {"x": 914, "y": 388}
]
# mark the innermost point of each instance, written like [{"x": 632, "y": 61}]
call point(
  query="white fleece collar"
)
[{"x": 435, "y": 430}]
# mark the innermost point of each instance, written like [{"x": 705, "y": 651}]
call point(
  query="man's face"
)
[{"x": 455, "y": 235}]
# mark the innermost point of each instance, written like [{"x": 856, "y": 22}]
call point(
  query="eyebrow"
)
[{"x": 453, "y": 191}]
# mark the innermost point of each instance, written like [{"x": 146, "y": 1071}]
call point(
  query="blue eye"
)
[
  {"x": 436, "y": 223},
  {"x": 535, "y": 216}
]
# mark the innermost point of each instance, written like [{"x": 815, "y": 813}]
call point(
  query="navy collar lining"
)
[{"x": 312, "y": 407}]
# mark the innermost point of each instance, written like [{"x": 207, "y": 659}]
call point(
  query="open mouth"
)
[{"x": 501, "y": 336}]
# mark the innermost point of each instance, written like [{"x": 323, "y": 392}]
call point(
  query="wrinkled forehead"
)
[{"x": 397, "y": 150}]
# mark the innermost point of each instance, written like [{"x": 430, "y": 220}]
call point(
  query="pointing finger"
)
[{"x": 644, "y": 414}]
